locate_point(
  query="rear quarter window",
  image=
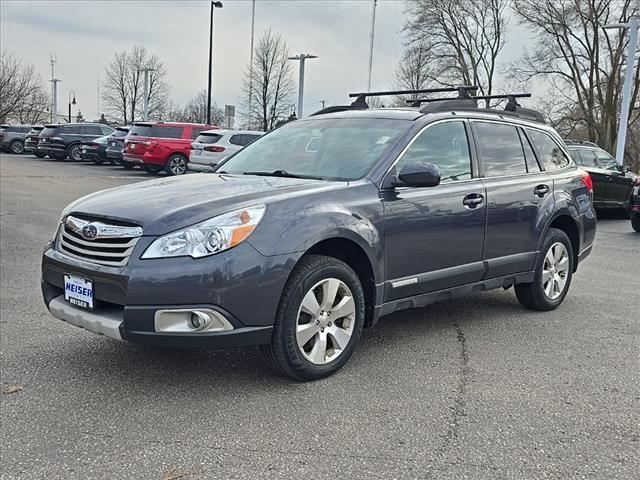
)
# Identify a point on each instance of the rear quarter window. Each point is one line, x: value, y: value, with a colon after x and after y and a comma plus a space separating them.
x: 552, y: 156
x: 208, y: 138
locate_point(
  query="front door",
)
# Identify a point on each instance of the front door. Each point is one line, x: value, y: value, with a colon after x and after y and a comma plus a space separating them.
x: 434, y: 235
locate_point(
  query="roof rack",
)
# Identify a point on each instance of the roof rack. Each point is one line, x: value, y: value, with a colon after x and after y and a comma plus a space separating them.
x: 360, y: 98
x: 581, y: 142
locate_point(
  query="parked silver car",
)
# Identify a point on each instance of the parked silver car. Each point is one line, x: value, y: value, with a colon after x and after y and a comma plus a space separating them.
x: 211, y: 146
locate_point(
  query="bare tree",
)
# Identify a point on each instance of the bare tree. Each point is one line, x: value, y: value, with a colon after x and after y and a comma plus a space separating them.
x: 23, y: 97
x: 196, y: 110
x: 461, y: 40
x: 581, y: 62
x: 415, y: 70
x: 123, y: 85
x: 270, y: 83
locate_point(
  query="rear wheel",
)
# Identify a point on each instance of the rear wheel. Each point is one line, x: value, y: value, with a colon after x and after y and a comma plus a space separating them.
x: 40, y: 154
x: 58, y: 156
x: 17, y: 147
x: 74, y: 153
x: 176, y: 164
x: 319, y: 320
x: 552, y: 276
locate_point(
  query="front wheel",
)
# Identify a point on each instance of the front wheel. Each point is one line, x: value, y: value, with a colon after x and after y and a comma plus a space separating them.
x: 176, y: 165
x: 552, y: 276
x: 635, y: 222
x: 17, y: 147
x: 319, y: 320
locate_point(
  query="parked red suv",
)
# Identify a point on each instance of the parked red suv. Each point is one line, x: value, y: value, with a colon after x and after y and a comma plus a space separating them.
x: 160, y: 145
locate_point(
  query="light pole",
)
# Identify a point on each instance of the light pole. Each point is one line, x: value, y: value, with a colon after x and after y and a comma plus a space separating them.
x: 301, y: 58
x: 71, y: 102
x: 145, y: 100
x: 632, y: 26
x: 213, y: 5
x: 373, y: 29
x: 54, y: 99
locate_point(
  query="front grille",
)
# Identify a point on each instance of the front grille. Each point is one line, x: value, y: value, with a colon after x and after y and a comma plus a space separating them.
x: 97, y: 242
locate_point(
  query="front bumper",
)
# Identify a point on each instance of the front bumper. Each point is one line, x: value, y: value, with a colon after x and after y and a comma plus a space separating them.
x: 241, y: 285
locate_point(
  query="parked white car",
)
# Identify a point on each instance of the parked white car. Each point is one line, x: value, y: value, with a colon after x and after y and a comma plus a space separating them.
x: 211, y: 146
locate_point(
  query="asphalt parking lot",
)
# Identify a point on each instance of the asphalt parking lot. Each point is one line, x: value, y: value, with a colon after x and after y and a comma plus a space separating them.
x: 473, y: 388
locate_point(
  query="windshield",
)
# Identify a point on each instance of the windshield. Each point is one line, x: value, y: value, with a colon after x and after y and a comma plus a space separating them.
x: 330, y: 148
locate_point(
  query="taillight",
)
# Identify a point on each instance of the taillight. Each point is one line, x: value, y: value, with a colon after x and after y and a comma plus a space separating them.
x: 586, y: 179
x: 215, y: 149
x: 636, y: 182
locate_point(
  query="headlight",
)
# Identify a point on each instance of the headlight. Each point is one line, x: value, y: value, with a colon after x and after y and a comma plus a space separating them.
x: 206, y: 238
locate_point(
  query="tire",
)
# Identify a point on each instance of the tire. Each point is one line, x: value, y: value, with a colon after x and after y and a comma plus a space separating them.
x: 73, y: 152
x: 319, y: 356
x: 635, y: 222
x: 127, y: 165
x: 97, y: 161
x: 16, y: 147
x: 40, y: 154
x: 556, y: 263
x: 151, y: 169
x: 176, y: 164
x: 58, y: 156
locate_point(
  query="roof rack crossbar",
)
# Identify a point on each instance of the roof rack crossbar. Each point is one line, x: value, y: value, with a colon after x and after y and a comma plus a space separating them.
x: 418, y: 101
x: 465, y: 88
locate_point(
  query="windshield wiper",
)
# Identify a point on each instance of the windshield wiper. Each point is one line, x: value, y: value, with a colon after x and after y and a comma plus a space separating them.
x: 282, y: 173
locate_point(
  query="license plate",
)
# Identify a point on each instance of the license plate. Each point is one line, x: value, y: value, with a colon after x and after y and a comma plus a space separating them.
x: 78, y: 291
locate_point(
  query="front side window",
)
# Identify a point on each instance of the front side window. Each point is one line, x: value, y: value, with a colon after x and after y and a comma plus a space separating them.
x: 328, y: 148
x: 553, y: 158
x: 445, y: 145
x: 605, y: 160
x: 500, y: 149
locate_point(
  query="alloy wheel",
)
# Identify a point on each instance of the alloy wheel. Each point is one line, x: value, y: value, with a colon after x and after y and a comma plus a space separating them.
x: 325, y: 322
x: 555, y: 270
x: 17, y: 147
x: 75, y: 154
x: 177, y: 165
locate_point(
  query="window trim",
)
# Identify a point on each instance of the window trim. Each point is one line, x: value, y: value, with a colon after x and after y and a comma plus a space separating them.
x: 572, y: 162
x: 470, y: 143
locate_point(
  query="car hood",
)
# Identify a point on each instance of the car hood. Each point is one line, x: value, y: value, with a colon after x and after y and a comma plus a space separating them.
x: 167, y: 204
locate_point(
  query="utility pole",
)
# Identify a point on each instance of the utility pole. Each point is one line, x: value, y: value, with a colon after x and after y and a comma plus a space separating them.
x: 145, y: 100
x: 301, y: 58
x: 213, y: 5
x: 373, y: 29
x: 632, y: 27
x: 253, y: 24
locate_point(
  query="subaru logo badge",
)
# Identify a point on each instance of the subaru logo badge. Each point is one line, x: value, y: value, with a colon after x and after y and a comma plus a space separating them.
x: 89, y: 231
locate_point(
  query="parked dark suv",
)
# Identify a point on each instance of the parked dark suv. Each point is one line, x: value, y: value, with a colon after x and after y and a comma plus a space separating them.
x: 12, y: 137
x: 612, y: 184
x: 60, y: 141
x: 320, y: 227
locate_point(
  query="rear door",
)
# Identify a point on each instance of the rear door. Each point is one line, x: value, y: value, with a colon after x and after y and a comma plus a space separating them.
x: 434, y: 235
x: 519, y: 197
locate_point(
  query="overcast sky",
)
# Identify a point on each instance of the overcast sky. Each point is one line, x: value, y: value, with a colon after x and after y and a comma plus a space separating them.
x: 84, y: 35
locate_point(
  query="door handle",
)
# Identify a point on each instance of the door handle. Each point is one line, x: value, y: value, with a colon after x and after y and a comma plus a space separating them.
x: 541, y: 190
x: 473, y: 200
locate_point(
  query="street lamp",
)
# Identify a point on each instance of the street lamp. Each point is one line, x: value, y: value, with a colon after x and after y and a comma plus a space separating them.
x: 71, y: 102
x: 213, y: 5
x: 301, y: 58
x: 632, y: 26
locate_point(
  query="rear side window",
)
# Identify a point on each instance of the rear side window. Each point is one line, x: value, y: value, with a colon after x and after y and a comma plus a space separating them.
x: 106, y: 130
x: 91, y: 130
x: 587, y: 157
x: 208, y: 138
x: 49, y: 131
x: 500, y: 149
x: 70, y: 129
x: 552, y: 156
x: 444, y: 145
x: 238, y: 139
x: 165, y: 131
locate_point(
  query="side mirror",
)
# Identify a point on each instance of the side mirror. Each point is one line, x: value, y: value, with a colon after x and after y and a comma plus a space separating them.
x: 624, y: 169
x: 416, y: 174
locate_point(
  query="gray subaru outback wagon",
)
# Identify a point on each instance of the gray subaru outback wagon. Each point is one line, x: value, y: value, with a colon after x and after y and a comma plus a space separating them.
x: 313, y: 232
